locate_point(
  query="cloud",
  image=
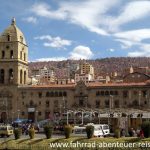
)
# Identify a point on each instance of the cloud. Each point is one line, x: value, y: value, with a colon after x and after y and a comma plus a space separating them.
x: 132, y: 11
x: 144, y: 51
x: 86, y: 14
x: 30, y: 20
x: 52, y: 59
x: 44, y: 10
x: 55, y: 42
x: 111, y: 50
x: 81, y: 52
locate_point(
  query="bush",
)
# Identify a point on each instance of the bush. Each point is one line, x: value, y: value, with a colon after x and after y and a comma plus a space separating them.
x: 89, y: 131
x: 17, y: 133
x: 117, y: 133
x: 48, y: 131
x: 67, y: 131
x: 146, y: 129
x: 31, y: 133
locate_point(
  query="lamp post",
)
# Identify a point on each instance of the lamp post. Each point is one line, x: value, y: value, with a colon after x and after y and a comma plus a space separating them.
x: 36, y: 116
x: 18, y: 113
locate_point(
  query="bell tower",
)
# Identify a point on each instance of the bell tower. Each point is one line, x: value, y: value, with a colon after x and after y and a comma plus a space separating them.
x: 13, y: 56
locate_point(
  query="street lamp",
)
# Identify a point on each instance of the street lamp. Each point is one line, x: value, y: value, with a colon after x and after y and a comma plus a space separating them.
x: 36, y: 117
x: 18, y: 113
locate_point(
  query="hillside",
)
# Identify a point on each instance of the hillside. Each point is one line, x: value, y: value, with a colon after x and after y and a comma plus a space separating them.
x: 102, y: 66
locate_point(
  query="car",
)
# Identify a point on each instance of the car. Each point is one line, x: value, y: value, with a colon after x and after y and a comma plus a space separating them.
x: 6, y: 130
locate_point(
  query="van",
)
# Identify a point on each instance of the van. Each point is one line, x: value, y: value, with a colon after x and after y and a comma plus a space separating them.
x: 100, y: 130
x: 6, y: 130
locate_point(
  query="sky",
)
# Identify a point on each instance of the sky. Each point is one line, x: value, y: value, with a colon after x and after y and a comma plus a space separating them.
x: 80, y: 29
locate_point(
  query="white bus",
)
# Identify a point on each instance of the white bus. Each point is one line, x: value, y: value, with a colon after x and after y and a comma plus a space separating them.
x: 100, y: 130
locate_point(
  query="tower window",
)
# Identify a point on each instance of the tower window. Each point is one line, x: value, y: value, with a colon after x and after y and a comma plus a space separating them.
x: 21, y: 39
x: 2, y: 75
x: 24, y: 56
x: 3, y: 54
x: 20, y: 54
x: 11, y: 76
x: 24, y: 77
x: 11, y: 54
x: 20, y: 76
x: 8, y: 37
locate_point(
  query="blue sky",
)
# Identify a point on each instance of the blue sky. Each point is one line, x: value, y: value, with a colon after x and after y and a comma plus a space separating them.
x: 80, y: 29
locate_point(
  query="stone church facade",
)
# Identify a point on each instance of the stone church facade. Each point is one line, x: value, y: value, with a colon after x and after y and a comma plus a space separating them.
x: 18, y: 99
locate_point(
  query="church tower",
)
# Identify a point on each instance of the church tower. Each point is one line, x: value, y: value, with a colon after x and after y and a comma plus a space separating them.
x: 13, y: 56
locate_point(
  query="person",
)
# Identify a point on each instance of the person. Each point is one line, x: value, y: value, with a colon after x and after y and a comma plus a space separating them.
x: 123, y: 133
x: 141, y: 134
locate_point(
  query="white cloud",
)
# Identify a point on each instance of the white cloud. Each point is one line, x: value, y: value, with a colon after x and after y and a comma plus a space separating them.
x: 81, y: 52
x: 144, y: 50
x: 86, y: 14
x: 30, y: 19
x: 44, y: 10
x: 111, y: 50
x: 55, y: 42
x: 134, y: 35
x: 133, y: 11
x: 52, y: 59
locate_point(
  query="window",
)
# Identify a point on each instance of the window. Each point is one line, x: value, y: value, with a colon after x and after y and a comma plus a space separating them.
x: 40, y: 94
x: 22, y: 103
x: 56, y: 94
x: 135, y: 103
x: 2, y: 75
x: 11, y: 75
x: 20, y: 54
x: 106, y: 93
x: 8, y: 37
x: 24, y: 56
x: 64, y: 93
x: 23, y: 113
x: 117, y: 103
x: 60, y: 94
x: 3, y: 54
x: 11, y: 54
x: 24, y: 77
x: 39, y: 113
x: 97, y: 93
x: 144, y: 93
x: 47, y: 94
x: 20, y: 76
x: 81, y: 102
x: 56, y: 103
x: 97, y: 103
x: 39, y: 102
x: 125, y: 94
x: 47, y: 103
x: 31, y: 103
x: 106, y: 103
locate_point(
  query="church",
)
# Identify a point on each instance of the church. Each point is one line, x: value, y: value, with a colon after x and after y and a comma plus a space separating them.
x: 109, y: 103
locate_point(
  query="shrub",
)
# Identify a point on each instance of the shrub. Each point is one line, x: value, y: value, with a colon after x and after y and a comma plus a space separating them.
x: 31, y: 133
x: 89, y: 131
x: 48, y: 131
x: 146, y: 129
x: 67, y: 131
x: 117, y: 133
x: 17, y: 133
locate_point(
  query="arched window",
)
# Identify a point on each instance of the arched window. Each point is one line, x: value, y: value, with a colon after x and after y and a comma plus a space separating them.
x: 11, y: 75
x: 20, y: 54
x: 11, y: 54
x: 2, y: 75
x: 8, y: 37
x: 20, y: 76
x: 24, y: 56
x: 106, y: 92
x: 3, y: 54
x: 25, y: 77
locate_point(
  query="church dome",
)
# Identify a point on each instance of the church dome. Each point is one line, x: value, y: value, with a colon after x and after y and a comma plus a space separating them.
x: 12, y: 33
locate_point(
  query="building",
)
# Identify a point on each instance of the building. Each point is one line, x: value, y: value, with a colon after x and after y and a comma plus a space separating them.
x: 86, y: 68
x: 112, y: 101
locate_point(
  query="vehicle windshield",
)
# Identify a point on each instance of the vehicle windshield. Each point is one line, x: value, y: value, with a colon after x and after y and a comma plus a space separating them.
x: 105, y: 127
